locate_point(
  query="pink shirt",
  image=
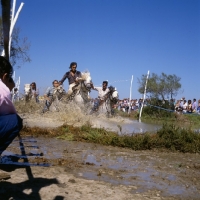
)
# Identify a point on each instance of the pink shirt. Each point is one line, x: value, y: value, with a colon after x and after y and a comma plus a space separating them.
x: 6, y: 105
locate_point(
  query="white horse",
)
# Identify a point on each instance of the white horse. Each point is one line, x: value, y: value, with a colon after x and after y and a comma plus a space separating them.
x: 112, y: 97
x: 27, y: 92
x: 81, y: 92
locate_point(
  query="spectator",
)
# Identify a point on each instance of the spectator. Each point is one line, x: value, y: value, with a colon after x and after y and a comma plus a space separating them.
x: 198, y: 107
x: 178, y: 107
x: 182, y: 101
x: 194, y: 105
x: 35, y: 92
x: 185, y: 106
x: 10, y: 122
x: 189, y: 106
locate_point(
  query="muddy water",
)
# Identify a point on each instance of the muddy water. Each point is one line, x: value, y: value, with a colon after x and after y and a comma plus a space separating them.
x: 170, y: 174
x: 124, y: 126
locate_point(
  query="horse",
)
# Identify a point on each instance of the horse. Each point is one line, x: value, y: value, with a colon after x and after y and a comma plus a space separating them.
x: 27, y: 92
x: 106, y: 106
x: 81, y: 91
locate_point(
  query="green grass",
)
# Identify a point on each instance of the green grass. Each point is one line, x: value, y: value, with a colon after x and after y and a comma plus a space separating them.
x: 169, y: 137
x: 157, y: 116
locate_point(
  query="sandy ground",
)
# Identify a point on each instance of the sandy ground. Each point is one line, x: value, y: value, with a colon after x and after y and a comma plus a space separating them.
x: 56, y: 183
x: 75, y: 170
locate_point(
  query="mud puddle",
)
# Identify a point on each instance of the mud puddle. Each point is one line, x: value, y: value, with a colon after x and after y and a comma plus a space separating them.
x: 171, y: 174
x: 124, y: 126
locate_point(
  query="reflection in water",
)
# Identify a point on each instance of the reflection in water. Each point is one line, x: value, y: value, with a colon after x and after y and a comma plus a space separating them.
x: 126, y: 127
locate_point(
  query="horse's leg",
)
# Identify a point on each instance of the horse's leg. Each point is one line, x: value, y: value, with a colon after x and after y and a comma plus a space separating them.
x: 26, y: 98
x: 55, y: 103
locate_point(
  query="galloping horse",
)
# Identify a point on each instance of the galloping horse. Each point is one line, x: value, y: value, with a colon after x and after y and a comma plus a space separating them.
x: 81, y: 92
x: 110, y: 100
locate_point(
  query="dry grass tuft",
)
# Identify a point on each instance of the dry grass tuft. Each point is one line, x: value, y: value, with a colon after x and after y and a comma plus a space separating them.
x: 27, y: 107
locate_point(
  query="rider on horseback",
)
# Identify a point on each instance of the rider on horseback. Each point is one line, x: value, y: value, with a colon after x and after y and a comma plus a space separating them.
x: 102, y: 94
x: 51, y: 93
x: 73, y: 78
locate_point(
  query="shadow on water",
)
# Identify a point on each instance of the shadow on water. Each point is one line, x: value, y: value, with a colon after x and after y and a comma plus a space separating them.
x: 32, y: 185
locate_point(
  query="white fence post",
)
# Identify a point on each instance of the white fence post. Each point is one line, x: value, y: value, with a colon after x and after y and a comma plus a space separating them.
x: 143, y: 97
x: 129, y: 110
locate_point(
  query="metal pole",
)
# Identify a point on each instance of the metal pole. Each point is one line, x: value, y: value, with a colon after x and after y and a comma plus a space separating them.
x: 143, y: 97
x: 5, y: 5
x: 14, y: 19
x: 13, y: 24
x: 13, y: 10
x: 129, y: 110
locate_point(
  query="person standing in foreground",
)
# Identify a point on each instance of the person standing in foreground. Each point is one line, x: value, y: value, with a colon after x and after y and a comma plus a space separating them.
x: 73, y: 78
x: 10, y: 122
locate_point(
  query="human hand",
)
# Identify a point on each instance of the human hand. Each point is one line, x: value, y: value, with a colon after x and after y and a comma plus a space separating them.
x: 78, y: 79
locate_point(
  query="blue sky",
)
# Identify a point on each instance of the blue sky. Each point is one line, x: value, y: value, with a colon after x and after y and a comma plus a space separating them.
x: 113, y: 39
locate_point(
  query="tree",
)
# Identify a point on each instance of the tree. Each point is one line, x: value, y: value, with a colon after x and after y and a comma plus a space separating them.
x: 160, y: 86
x: 19, y: 47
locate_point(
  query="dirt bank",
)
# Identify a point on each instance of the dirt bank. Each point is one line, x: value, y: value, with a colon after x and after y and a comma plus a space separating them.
x: 75, y: 170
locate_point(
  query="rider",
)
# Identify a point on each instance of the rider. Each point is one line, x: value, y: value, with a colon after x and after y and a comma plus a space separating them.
x: 102, y: 94
x: 49, y: 94
x: 73, y: 77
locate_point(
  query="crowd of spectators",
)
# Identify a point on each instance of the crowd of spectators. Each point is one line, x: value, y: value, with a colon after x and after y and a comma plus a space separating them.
x: 187, y: 106
x: 127, y: 105
x: 179, y: 106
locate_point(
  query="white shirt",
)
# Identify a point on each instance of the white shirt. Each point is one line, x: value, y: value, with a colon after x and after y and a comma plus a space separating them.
x: 101, y: 92
x: 6, y: 105
x: 185, y: 106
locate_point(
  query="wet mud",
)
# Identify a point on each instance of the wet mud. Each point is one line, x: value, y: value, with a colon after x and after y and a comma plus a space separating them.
x: 134, y: 174
x: 117, y: 124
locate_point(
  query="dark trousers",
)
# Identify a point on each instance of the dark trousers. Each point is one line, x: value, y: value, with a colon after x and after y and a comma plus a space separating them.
x: 96, y: 105
x: 10, y: 126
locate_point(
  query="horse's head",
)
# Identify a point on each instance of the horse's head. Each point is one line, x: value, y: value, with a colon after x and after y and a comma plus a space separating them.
x: 27, y: 89
x: 87, y: 80
x: 114, y: 96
